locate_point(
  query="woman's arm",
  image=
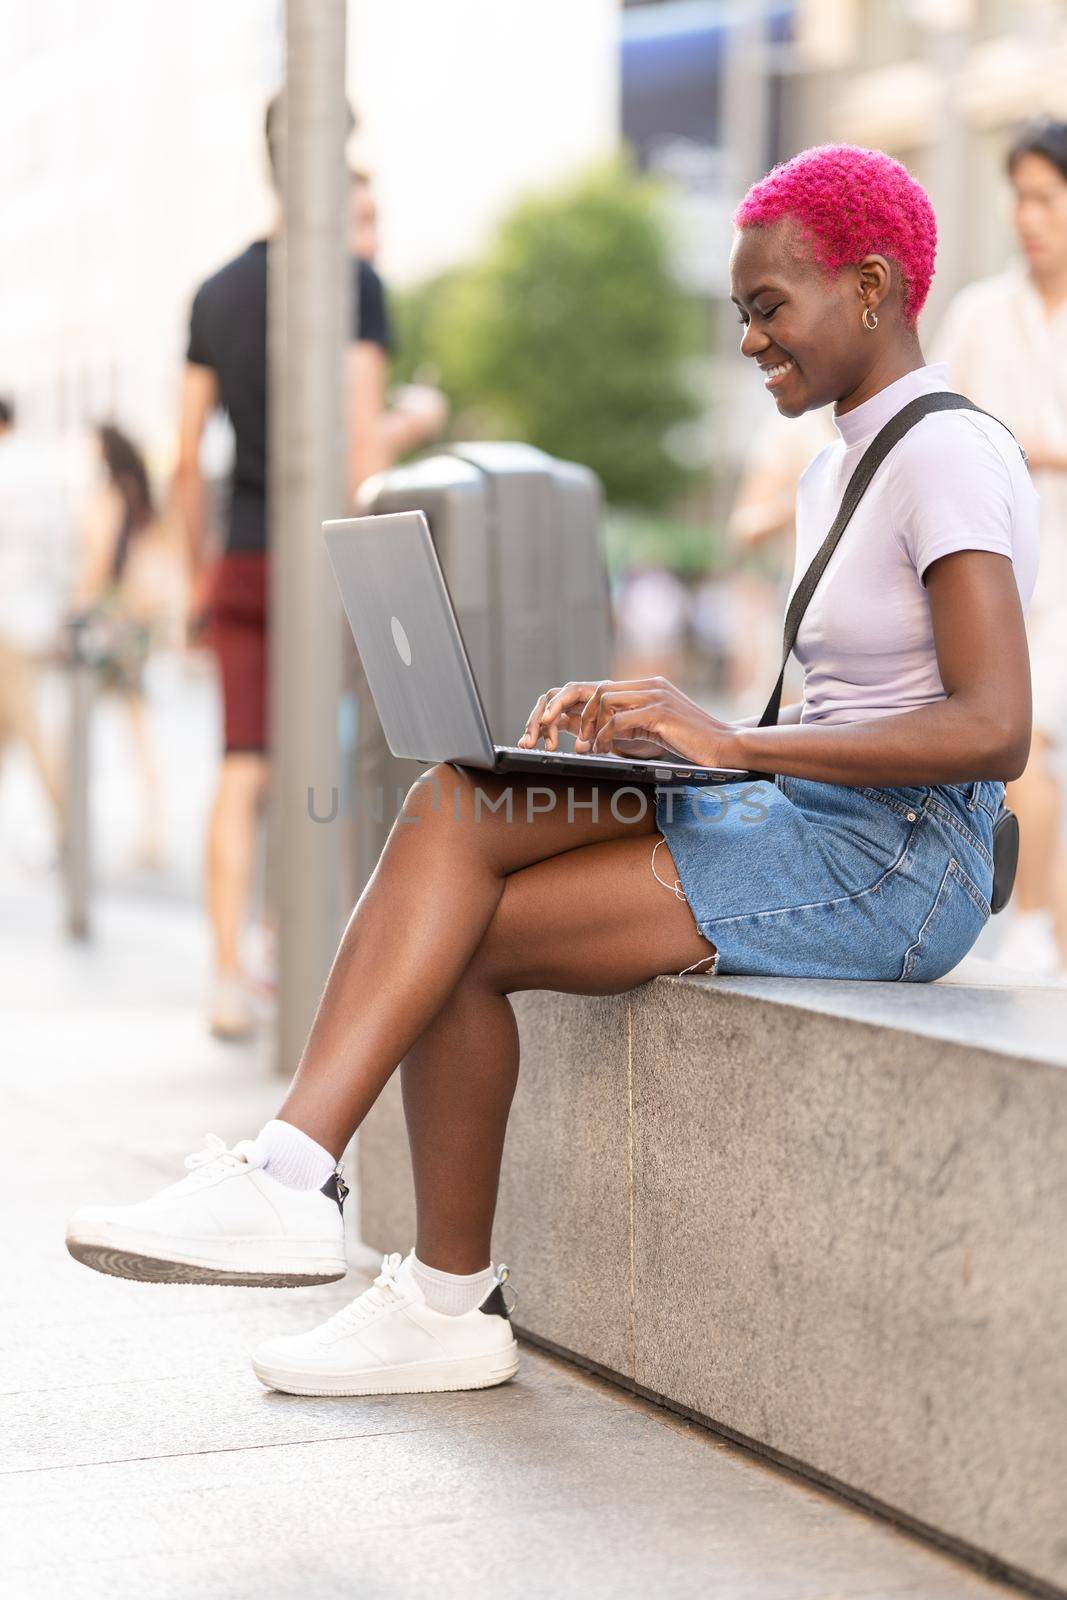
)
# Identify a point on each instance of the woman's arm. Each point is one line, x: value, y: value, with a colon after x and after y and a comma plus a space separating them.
x: 982, y: 728
x: 379, y: 434
x: 199, y: 397
x: 786, y: 716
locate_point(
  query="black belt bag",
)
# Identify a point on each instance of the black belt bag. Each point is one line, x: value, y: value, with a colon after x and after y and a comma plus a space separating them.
x: 1005, y: 857
x: 1006, y: 824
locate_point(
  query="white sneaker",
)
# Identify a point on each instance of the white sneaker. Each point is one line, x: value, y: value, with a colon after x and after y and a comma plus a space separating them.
x: 389, y: 1341
x: 229, y: 1221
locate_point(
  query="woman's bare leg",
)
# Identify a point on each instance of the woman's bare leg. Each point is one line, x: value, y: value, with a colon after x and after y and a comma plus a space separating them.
x: 594, y: 921
x: 230, y: 855
x: 426, y: 910
x: 458, y: 1081
x: 152, y: 849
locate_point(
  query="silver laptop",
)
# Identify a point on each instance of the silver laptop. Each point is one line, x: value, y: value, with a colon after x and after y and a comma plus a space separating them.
x: 405, y: 627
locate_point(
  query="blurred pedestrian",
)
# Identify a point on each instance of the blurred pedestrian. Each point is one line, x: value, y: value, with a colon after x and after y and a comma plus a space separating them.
x: 226, y: 365
x: 1005, y: 342
x: 762, y: 531
x: 764, y: 508
x: 129, y: 583
x: 362, y: 235
x: 414, y: 412
x: 651, y: 618
x: 35, y: 554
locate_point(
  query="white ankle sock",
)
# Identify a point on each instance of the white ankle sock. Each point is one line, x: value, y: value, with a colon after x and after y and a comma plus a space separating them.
x: 452, y: 1293
x: 293, y: 1157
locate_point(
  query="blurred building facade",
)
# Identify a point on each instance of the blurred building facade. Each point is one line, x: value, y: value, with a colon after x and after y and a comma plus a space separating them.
x: 715, y: 91
x: 134, y: 164
x: 940, y: 84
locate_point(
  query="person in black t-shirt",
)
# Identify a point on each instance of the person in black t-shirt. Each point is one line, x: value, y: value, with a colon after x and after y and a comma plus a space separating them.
x: 228, y: 339
x: 226, y: 366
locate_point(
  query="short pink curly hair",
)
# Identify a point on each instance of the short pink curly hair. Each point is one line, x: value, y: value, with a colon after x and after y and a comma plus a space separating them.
x: 852, y: 203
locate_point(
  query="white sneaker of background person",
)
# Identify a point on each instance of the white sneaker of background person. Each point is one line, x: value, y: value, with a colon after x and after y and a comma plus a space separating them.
x: 267, y: 1214
x: 389, y: 1340
x: 1029, y: 944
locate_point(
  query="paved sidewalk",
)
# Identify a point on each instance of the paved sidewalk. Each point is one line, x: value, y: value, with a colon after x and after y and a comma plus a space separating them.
x: 140, y: 1457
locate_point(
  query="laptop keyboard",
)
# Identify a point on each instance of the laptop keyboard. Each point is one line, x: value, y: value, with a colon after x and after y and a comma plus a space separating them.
x: 577, y: 755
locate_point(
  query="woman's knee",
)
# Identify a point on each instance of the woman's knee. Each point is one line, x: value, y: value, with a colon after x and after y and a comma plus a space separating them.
x: 436, y: 793
x: 462, y: 799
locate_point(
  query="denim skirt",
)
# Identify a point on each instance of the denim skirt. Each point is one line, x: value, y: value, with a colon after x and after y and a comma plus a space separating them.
x: 797, y: 879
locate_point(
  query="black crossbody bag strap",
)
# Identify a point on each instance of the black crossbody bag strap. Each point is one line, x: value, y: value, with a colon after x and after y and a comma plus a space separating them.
x: 1006, y: 827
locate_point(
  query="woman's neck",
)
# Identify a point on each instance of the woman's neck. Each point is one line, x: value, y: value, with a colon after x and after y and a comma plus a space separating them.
x: 893, y: 363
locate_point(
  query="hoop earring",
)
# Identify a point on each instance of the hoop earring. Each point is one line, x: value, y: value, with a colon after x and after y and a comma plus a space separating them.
x: 870, y: 319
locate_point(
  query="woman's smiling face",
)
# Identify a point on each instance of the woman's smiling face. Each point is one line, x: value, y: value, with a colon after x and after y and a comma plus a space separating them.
x: 802, y: 326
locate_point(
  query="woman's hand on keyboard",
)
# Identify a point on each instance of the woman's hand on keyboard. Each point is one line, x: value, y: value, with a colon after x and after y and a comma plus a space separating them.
x: 562, y: 708
x: 646, y: 718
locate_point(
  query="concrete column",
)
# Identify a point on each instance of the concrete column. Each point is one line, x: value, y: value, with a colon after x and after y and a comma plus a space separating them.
x: 308, y: 324
x: 947, y: 45
x: 823, y: 52
x: 745, y: 95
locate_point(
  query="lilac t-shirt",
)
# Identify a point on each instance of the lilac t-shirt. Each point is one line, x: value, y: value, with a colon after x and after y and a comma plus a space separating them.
x: 957, y: 481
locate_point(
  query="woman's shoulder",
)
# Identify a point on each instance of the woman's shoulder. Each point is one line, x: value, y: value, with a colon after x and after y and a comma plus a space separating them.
x: 958, y: 443
x: 958, y: 480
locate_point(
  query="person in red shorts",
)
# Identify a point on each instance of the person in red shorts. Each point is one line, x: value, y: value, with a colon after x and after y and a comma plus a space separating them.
x: 226, y: 366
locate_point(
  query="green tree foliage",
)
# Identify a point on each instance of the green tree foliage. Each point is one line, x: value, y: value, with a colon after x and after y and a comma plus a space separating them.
x: 570, y: 333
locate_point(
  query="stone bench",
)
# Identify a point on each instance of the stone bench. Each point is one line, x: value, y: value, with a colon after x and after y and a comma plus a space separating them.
x: 828, y: 1219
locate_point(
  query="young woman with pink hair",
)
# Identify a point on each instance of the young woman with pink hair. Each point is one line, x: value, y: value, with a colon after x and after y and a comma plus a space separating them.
x: 868, y: 855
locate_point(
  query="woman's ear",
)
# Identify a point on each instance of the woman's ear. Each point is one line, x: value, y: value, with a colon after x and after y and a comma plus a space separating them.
x: 875, y: 280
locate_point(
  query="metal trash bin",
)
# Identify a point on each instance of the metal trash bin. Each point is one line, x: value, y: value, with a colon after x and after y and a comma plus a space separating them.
x: 519, y: 537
